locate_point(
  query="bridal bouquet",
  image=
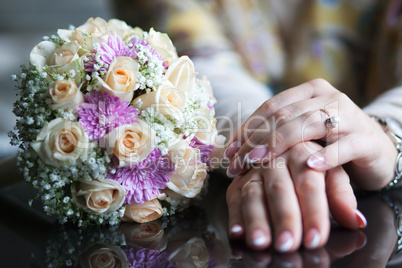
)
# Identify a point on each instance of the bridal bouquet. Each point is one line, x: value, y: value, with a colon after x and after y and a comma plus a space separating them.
x: 112, y: 124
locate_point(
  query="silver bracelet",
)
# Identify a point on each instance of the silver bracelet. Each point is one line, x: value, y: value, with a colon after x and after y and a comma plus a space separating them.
x: 389, y: 127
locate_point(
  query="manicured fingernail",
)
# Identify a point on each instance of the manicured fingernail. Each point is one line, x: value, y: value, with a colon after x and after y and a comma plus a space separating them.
x: 312, y: 239
x: 235, y: 168
x: 259, y: 238
x: 362, y: 240
x: 316, y: 161
x: 232, y: 149
x: 236, y: 229
x: 256, y: 154
x: 285, y: 242
x: 362, y: 220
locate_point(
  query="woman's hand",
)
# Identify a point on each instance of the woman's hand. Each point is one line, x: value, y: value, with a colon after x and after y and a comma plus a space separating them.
x: 294, y: 116
x: 292, y: 198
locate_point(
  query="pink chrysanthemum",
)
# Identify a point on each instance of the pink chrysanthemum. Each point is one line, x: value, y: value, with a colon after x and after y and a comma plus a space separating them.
x: 205, y: 150
x: 144, y: 180
x: 102, y: 113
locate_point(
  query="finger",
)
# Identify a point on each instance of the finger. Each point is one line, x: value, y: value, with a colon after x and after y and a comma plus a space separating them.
x: 262, y: 148
x: 342, y: 201
x: 255, y: 214
x: 283, y: 207
x: 266, y: 110
x: 310, y: 189
x: 235, y: 218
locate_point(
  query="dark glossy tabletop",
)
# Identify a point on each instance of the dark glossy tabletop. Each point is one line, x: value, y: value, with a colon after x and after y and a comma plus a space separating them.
x: 197, y: 237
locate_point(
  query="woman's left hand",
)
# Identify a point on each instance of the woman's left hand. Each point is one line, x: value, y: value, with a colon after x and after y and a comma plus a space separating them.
x: 298, y: 114
x: 294, y: 199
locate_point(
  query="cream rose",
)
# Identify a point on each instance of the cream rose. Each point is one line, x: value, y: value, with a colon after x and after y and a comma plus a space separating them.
x: 94, y: 27
x: 61, y: 142
x: 162, y: 43
x: 130, y: 143
x: 121, y: 78
x: 148, y: 235
x: 65, y: 94
x: 167, y: 100
x: 102, y: 255
x: 98, y: 196
x: 181, y: 74
x: 41, y: 54
x: 189, y: 176
x: 206, y: 132
x: 194, y: 253
x: 145, y: 212
x: 65, y: 54
x: 123, y: 30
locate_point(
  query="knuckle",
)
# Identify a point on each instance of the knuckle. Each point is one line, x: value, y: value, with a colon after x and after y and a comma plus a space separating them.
x: 270, y: 106
x: 319, y: 83
x: 285, y: 114
x: 276, y: 187
x: 250, y: 192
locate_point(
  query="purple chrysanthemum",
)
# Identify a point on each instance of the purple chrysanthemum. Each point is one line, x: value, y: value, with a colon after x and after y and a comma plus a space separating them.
x: 115, y: 47
x: 144, y: 180
x: 101, y: 113
x: 144, y: 258
x: 205, y: 150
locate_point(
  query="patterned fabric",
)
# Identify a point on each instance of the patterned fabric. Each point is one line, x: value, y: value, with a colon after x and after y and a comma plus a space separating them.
x: 354, y: 44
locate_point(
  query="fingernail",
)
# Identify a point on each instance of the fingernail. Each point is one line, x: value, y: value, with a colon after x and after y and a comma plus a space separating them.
x: 312, y: 239
x: 259, y: 238
x: 236, y: 229
x: 316, y: 161
x: 362, y: 240
x: 256, y: 154
x: 235, y: 168
x: 362, y: 220
x: 285, y: 242
x: 232, y: 149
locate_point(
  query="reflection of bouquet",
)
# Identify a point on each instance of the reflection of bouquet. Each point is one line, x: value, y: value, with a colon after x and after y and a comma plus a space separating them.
x: 111, y: 121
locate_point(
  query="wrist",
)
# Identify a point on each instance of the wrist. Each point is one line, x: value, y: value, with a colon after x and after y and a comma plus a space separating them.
x: 393, y: 131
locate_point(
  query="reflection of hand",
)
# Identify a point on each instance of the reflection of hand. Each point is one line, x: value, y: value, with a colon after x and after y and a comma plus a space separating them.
x: 341, y: 243
x: 294, y: 116
x: 294, y: 198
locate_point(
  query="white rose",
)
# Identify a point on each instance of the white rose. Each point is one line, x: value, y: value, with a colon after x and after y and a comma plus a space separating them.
x: 98, y: 196
x: 93, y: 28
x: 60, y: 59
x: 181, y: 74
x: 65, y: 95
x: 189, y: 176
x: 206, y: 88
x: 167, y: 100
x: 61, y: 142
x: 145, y: 212
x: 130, y: 143
x: 162, y: 43
x: 121, y: 79
x: 41, y: 54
